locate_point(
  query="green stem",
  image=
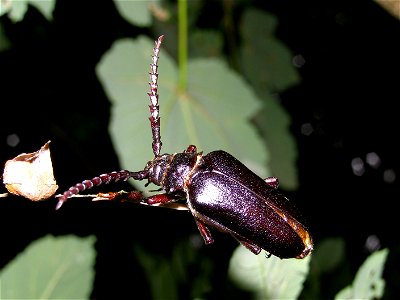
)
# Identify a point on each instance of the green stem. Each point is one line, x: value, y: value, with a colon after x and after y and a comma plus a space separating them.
x: 182, y: 44
x: 182, y: 67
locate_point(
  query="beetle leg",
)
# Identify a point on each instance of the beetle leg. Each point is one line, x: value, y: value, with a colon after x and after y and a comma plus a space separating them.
x: 272, y: 182
x: 175, y: 205
x: 205, y: 232
x: 253, y: 248
x: 164, y: 200
x: 160, y: 199
x: 134, y: 196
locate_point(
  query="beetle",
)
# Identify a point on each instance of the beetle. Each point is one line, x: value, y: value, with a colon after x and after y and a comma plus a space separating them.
x: 219, y: 191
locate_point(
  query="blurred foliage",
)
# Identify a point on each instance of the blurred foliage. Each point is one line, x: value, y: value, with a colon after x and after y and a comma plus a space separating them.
x: 268, y: 278
x: 231, y: 102
x: 16, y: 9
x: 368, y: 283
x: 62, y: 267
x: 51, y: 268
x: 267, y: 64
x: 136, y: 12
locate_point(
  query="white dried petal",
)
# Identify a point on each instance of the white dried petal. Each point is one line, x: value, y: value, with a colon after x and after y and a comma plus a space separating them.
x: 30, y: 175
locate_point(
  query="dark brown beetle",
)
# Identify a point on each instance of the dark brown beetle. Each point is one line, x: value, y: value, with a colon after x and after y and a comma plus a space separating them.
x: 220, y: 192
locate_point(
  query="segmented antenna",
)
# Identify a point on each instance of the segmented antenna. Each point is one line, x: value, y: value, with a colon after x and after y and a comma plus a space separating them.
x: 153, y: 96
x: 115, y: 176
x: 154, y: 118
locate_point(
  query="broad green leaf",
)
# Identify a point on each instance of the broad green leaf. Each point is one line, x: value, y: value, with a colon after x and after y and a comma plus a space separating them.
x: 213, y: 114
x: 136, y: 11
x: 268, y: 278
x: 266, y: 61
x: 16, y: 9
x: 368, y: 283
x: 273, y: 123
x: 46, y: 7
x: 50, y: 268
x: 267, y: 64
x: 5, y: 7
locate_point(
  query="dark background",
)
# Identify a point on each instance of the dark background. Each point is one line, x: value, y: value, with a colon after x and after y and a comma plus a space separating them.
x: 348, y: 94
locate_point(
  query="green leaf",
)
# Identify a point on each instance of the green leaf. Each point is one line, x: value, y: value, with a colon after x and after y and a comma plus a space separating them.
x: 213, y: 114
x: 266, y: 61
x: 273, y: 123
x: 51, y: 268
x: 267, y: 64
x: 268, y: 278
x: 368, y: 283
x: 45, y: 7
x: 17, y: 9
x: 136, y: 12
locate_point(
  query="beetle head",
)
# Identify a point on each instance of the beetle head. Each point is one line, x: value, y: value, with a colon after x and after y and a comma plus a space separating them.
x: 157, y: 168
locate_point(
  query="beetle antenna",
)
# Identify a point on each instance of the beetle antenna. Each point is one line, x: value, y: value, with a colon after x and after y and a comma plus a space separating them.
x: 115, y: 176
x: 153, y: 96
x: 154, y: 118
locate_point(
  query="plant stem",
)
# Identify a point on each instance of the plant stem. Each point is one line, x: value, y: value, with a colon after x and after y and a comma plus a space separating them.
x: 182, y: 67
x: 182, y: 44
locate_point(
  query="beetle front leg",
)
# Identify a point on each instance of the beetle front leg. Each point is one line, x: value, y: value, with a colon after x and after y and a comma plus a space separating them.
x: 160, y: 199
x: 134, y: 196
x: 165, y: 200
x: 137, y: 197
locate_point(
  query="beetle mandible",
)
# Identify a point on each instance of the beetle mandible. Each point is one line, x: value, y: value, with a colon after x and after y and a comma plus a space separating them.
x: 218, y: 190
